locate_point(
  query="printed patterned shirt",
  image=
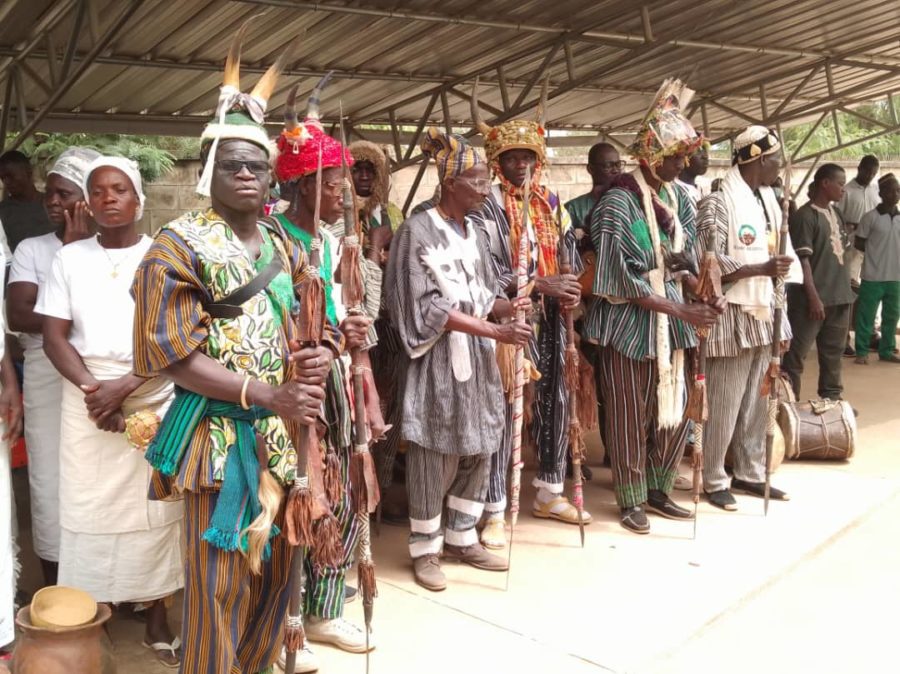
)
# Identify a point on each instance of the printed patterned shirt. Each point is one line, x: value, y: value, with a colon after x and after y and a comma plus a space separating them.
x: 196, y: 259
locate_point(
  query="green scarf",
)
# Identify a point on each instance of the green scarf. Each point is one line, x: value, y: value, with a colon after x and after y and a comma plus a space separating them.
x: 326, y: 270
x: 238, y: 503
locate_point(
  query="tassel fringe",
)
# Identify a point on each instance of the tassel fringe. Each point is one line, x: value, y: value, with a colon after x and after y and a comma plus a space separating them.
x: 311, y: 325
x: 298, y: 517
x: 294, y: 638
x: 329, y: 548
x: 506, y: 362
x: 769, y: 379
x: 697, y: 408
x: 366, y: 579
x: 352, y: 291
x: 587, y: 397
x: 334, y: 487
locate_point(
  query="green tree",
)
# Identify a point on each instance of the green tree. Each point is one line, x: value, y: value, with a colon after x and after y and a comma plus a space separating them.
x: 155, y: 155
x: 852, y: 127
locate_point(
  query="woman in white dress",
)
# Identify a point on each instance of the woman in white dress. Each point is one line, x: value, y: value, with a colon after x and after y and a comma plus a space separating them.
x: 10, y: 429
x: 43, y: 384
x: 115, y: 543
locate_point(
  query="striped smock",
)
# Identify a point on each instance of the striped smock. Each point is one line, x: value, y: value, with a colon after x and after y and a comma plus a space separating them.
x: 625, y: 256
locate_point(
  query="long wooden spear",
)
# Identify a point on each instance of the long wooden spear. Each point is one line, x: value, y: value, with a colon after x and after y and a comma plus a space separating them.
x: 364, y: 484
x: 572, y: 377
x: 709, y: 286
x: 515, y: 482
x: 769, y: 385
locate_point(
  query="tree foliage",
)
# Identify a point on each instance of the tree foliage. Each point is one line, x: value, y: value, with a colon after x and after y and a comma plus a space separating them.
x: 885, y: 146
x: 155, y: 155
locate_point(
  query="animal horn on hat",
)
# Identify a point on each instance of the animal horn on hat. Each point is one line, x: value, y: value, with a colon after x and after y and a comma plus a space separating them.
x: 313, y: 109
x: 232, y: 75
x: 290, y: 109
x: 480, y: 126
x: 542, y: 106
x: 266, y: 85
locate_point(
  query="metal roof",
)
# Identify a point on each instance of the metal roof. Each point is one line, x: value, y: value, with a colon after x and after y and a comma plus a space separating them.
x: 154, y: 66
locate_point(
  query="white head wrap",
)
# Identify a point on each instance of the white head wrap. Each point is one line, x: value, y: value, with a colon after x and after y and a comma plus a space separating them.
x: 73, y: 163
x: 126, y: 166
x: 754, y: 142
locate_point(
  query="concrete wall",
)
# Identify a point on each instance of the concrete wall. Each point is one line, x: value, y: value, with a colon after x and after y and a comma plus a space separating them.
x: 173, y: 194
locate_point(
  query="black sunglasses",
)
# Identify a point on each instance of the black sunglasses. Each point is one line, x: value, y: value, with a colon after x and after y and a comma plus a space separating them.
x: 258, y: 168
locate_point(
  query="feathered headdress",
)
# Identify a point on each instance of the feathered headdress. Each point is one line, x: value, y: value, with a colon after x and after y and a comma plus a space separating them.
x: 515, y: 134
x: 665, y: 130
x: 301, y: 145
x: 239, y: 116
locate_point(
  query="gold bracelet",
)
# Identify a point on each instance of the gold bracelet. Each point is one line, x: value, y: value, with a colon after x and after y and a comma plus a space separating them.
x: 244, y: 404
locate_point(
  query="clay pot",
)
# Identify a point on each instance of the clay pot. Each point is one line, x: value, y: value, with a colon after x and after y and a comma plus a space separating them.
x: 77, y: 650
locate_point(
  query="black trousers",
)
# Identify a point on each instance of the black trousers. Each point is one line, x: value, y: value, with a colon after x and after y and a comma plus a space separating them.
x: 829, y: 336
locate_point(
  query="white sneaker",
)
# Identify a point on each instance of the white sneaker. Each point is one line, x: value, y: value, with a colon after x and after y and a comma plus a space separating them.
x: 338, y: 632
x: 305, y: 662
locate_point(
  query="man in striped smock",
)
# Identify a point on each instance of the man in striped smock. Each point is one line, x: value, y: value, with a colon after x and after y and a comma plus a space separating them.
x: 516, y: 150
x: 741, y: 221
x: 225, y: 443
x: 443, y: 291
x: 643, y: 233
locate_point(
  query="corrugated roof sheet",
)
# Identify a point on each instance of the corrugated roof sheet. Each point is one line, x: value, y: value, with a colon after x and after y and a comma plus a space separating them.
x: 165, y: 64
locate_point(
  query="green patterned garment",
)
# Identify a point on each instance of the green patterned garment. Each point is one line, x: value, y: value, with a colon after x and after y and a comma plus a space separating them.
x: 252, y: 343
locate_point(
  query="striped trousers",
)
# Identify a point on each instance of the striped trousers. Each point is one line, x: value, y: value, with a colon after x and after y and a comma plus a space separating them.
x: 550, y: 425
x: 642, y: 456
x: 325, y: 585
x: 737, y: 418
x: 495, y: 501
x: 389, y: 369
x: 232, y: 619
x: 432, y: 476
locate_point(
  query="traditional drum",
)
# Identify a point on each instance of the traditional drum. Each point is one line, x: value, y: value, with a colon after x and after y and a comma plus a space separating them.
x: 824, y: 430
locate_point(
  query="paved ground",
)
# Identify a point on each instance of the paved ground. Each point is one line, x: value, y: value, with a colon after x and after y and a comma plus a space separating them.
x: 811, y: 587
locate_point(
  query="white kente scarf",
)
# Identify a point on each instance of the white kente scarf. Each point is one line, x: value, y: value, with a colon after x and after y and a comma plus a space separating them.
x: 670, y: 366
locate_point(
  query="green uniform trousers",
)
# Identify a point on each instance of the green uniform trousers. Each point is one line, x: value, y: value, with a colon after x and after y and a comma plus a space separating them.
x: 871, y: 294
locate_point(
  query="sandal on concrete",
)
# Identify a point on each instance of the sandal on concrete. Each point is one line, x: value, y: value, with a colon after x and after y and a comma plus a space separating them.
x: 166, y: 653
x: 493, y: 536
x: 559, y: 509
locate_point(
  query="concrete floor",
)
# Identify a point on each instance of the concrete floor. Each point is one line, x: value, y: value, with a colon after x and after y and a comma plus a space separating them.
x: 811, y: 587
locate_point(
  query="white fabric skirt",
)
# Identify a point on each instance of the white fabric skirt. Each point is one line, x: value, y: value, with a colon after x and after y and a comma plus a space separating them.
x: 43, y: 398
x: 136, y: 566
x: 7, y: 547
x: 115, y: 542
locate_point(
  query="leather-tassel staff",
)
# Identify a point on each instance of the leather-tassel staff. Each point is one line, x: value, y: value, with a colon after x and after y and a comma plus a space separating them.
x: 769, y: 385
x: 709, y: 286
x: 515, y: 482
x: 363, y: 481
x: 572, y: 377
x: 309, y: 523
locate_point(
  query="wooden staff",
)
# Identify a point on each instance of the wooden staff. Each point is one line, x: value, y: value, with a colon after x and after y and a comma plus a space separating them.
x: 709, y: 286
x: 305, y: 507
x: 364, y: 484
x: 515, y: 482
x: 770, y: 381
x: 572, y: 377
